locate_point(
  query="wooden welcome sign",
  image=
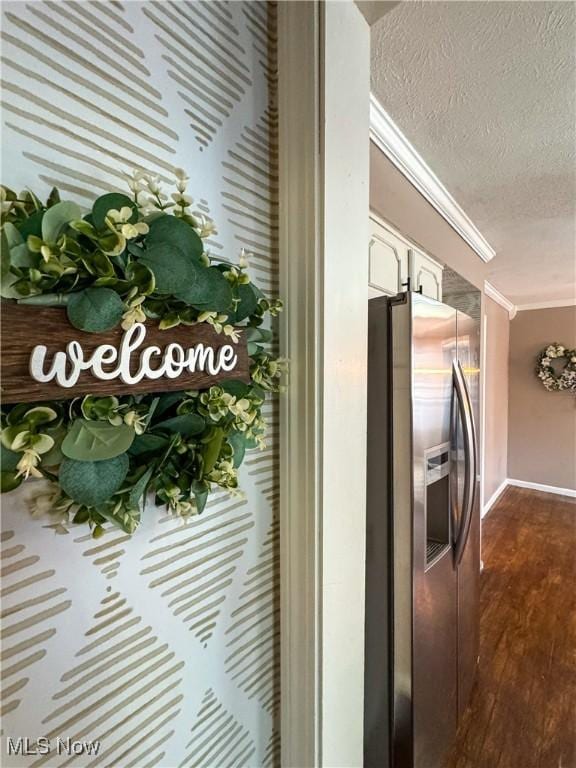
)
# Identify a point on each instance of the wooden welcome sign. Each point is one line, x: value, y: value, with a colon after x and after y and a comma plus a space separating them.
x: 45, y: 358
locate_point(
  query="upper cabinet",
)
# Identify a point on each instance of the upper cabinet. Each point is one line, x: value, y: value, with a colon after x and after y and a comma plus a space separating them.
x: 425, y: 274
x: 393, y: 259
x: 389, y: 258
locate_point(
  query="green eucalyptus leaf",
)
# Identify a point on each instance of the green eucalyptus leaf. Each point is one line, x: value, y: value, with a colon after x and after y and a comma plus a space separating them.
x: 139, y: 488
x: 152, y: 410
x: 112, y: 201
x: 248, y: 302
x: 253, y: 348
x: 93, y: 482
x: 134, y: 249
x: 8, y: 459
x: 235, y: 387
x: 120, y: 286
x: 81, y: 516
x: 30, y: 197
x: 171, y: 230
x: 148, y: 443
x: 258, y: 391
x: 95, y: 309
x: 200, y: 489
x: 212, y: 450
x: 238, y: 442
x: 4, y: 253
x: 210, y: 290
x: 12, y: 234
x: 258, y: 292
x: 187, y: 424
x: 7, y: 289
x: 96, y: 440
x: 166, y: 401
x: 32, y: 225
x: 53, y: 197
x: 21, y: 257
x: 9, y: 481
x: 120, y: 260
x: 54, y: 456
x: 170, y: 266
x: 261, y: 335
x: 57, y: 217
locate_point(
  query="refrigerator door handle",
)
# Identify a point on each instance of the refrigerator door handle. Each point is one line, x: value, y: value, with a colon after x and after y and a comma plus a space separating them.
x: 465, y: 407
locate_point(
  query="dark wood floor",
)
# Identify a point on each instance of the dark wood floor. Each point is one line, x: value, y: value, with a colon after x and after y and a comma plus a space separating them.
x: 523, y: 709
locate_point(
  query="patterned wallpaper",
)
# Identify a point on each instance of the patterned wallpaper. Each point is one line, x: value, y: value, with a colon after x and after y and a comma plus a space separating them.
x: 163, y: 646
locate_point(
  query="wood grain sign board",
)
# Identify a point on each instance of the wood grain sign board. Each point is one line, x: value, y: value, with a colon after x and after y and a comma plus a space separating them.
x: 24, y: 328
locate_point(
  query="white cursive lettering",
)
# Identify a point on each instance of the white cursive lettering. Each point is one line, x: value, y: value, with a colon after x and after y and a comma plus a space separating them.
x: 172, y: 362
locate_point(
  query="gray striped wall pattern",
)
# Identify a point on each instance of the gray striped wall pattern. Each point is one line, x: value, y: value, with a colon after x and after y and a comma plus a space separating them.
x: 163, y: 646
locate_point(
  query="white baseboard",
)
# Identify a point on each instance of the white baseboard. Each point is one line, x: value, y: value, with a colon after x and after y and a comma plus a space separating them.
x: 495, y: 496
x: 541, y: 487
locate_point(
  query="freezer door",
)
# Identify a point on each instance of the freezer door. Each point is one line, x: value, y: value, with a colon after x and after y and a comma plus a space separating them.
x: 468, y: 569
x: 434, y: 683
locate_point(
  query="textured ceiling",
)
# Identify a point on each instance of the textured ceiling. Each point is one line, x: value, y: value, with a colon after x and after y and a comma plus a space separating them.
x: 486, y: 93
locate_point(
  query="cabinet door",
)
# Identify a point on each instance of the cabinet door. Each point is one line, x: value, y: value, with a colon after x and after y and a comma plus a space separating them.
x: 388, y: 258
x: 425, y: 273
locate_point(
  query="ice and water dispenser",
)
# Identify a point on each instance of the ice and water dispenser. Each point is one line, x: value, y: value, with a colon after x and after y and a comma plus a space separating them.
x: 437, y: 505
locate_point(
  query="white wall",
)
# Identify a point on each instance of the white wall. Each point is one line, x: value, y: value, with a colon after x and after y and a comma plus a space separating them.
x: 147, y: 642
x: 344, y: 396
x: 324, y: 121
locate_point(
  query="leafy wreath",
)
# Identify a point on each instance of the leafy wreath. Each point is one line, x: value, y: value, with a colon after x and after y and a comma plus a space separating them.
x: 132, y: 258
x: 554, y: 381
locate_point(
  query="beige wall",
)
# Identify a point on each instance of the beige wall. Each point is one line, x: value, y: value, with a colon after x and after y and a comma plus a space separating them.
x: 542, y: 424
x: 496, y: 397
x: 394, y: 198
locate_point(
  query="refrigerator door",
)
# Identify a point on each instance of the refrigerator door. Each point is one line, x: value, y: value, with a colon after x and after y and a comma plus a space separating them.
x: 434, y: 683
x: 468, y: 573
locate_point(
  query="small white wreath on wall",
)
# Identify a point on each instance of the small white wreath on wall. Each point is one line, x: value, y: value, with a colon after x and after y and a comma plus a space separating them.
x: 555, y: 380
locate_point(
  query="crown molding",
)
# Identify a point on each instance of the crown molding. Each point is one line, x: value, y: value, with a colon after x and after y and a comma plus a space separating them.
x: 390, y: 139
x: 499, y: 298
x: 547, y: 304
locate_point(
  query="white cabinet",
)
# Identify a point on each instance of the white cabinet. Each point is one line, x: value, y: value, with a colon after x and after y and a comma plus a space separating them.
x: 425, y: 274
x: 393, y: 259
x: 388, y: 261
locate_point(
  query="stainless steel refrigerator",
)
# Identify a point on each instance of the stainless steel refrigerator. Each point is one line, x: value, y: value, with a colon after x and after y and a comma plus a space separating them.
x: 423, y: 528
